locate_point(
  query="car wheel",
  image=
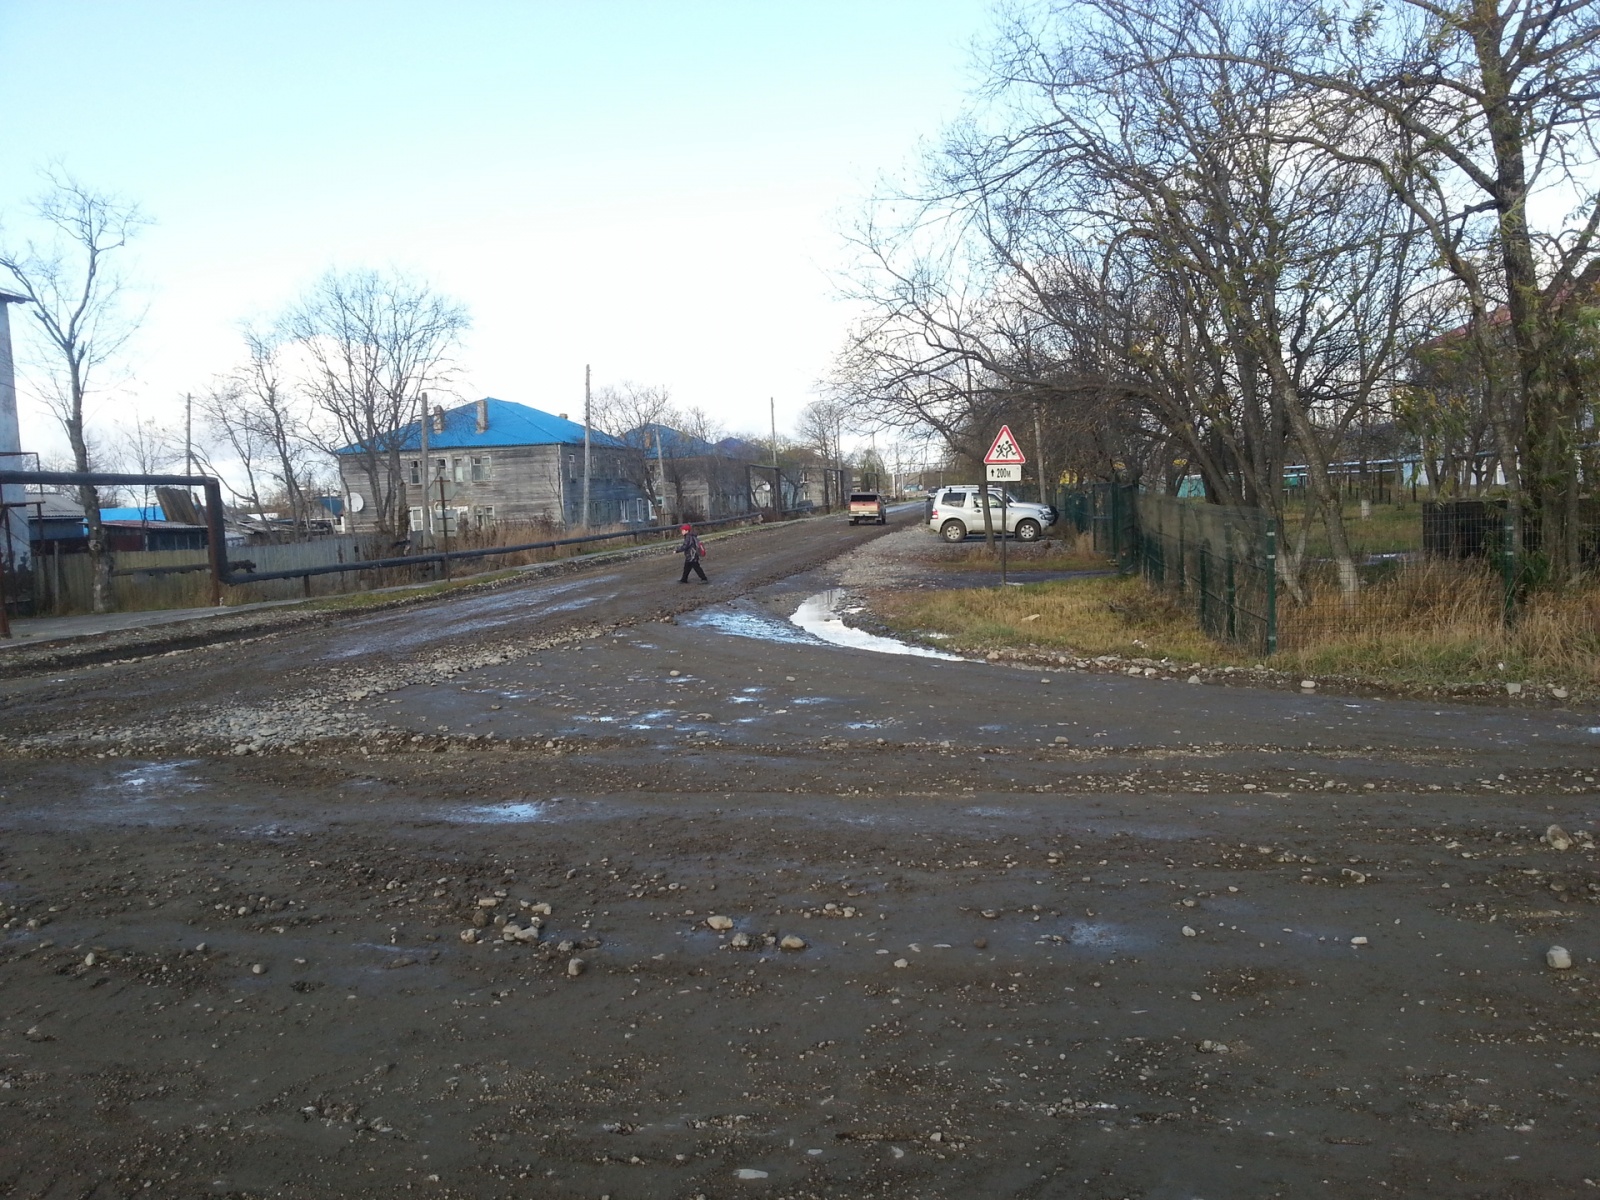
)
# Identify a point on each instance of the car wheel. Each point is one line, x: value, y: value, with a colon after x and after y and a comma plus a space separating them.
x: 1027, y: 531
x: 883, y: 520
x: 953, y: 531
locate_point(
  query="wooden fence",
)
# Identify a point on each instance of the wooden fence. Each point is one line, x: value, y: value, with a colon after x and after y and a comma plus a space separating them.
x: 62, y: 583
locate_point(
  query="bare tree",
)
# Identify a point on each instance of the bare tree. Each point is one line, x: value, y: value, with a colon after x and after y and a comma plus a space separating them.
x: 273, y: 408
x: 230, y: 432
x: 373, y: 342
x: 143, y: 446
x: 821, y: 428
x: 1133, y: 251
x: 635, y: 413
x: 1472, y: 113
x: 76, y: 293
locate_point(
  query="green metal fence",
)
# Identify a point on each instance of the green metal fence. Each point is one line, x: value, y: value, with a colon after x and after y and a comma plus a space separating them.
x: 1417, y: 566
x: 1217, y: 561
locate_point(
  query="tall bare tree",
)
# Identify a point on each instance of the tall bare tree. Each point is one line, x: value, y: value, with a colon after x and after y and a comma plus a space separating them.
x: 72, y: 279
x: 1477, y: 115
x: 229, y: 432
x: 634, y: 412
x: 270, y: 404
x: 144, y: 446
x: 372, y: 343
x: 1131, y: 249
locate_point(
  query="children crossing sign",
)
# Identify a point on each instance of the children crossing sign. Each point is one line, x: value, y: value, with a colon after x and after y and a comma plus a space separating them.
x: 1005, y: 451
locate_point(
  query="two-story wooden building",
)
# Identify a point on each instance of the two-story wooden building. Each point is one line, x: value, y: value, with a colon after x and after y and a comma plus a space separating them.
x: 495, y: 461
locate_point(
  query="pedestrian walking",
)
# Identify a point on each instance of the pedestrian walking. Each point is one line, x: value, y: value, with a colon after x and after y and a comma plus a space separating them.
x: 693, y: 551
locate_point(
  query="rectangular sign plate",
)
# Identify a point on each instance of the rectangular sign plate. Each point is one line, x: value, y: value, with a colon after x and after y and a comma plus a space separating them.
x: 1004, y: 474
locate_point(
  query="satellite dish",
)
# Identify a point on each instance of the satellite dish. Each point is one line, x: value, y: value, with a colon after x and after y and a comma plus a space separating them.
x: 356, y: 502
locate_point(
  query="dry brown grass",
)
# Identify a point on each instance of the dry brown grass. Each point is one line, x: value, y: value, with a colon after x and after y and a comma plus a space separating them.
x: 1107, y: 614
x: 1443, y: 622
x: 1438, y: 624
x: 1072, y: 553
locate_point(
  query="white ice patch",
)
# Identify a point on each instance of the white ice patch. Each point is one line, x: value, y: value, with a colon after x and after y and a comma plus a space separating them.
x: 819, y: 617
x: 516, y: 812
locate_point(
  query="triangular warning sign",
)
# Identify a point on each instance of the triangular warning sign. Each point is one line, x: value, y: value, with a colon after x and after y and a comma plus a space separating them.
x: 1005, y: 450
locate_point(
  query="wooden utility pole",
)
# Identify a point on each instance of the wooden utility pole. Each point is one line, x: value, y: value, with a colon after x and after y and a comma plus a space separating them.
x: 586, y: 458
x: 425, y: 471
x: 777, y: 475
x: 1038, y: 450
x: 188, y: 433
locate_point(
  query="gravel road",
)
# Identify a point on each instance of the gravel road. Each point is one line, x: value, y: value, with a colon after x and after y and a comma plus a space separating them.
x: 599, y: 885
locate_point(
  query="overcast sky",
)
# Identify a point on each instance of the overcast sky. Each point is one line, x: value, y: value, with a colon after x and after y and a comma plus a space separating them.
x: 654, y: 187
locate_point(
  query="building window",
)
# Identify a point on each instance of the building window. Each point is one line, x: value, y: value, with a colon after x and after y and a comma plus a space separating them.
x: 480, y: 468
x: 458, y: 470
x: 416, y: 518
x: 415, y: 468
x: 485, y: 516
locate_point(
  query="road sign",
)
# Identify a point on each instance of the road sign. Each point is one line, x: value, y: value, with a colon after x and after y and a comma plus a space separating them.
x: 1004, y: 473
x: 1005, y: 450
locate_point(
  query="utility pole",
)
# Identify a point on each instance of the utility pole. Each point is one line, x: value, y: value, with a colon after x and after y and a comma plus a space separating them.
x: 586, y: 459
x: 188, y: 433
x: 777, y: 476
x: 425, y: 471
x: 1038, y: 450
x: 661, y: 469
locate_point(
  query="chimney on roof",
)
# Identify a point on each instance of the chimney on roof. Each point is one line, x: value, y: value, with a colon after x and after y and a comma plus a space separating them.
x: 483, y: 416
x: 438, y: 418
x: 563, y: 416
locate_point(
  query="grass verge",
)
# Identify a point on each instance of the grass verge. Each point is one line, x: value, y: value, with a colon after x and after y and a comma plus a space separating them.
x: 1424, y: 630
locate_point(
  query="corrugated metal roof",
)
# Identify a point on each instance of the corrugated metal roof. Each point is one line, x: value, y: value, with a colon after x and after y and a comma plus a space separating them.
x: 510, y: 424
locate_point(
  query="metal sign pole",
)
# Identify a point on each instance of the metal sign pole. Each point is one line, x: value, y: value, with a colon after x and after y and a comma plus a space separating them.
x: 1005, y: 497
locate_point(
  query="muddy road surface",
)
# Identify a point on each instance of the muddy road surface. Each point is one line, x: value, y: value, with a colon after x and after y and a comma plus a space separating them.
x: 604, y: 886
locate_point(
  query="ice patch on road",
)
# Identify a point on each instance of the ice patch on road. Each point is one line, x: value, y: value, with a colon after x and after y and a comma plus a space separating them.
x: 517, y: 812
x: 818, y: 615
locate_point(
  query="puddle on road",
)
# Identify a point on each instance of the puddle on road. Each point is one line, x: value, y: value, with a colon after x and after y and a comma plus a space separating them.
x: 747, y: 625
x: 818, y: 615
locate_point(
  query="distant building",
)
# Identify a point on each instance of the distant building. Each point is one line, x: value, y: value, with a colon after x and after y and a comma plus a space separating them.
x: 56, y: 526
x: 495, y: 461
x: 686, y: 477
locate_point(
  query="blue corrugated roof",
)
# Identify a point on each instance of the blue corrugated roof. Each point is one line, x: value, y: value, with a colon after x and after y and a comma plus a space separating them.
x: 510, y: 424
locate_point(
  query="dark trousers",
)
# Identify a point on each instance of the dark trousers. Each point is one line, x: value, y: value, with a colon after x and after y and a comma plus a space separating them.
x: 692, y: 564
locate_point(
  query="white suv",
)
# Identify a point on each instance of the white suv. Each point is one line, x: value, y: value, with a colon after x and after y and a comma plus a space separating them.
x: 958, y: 511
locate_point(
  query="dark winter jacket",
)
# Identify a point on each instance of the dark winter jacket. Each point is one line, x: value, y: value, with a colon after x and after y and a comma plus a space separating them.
x: 691, y: 547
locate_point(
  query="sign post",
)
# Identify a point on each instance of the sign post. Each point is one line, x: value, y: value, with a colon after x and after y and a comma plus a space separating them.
x: 1004, y: 462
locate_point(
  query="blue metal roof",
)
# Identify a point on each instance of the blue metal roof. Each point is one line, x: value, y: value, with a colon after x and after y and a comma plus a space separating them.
x: 674, y: 442
x: 151, y: 512
x: 510, y: 424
